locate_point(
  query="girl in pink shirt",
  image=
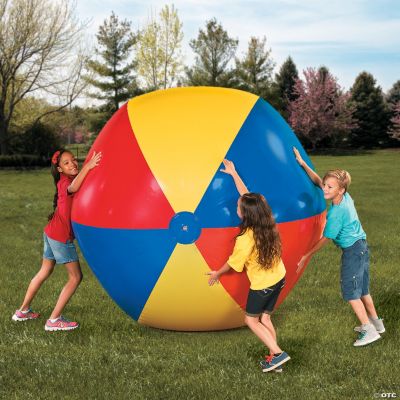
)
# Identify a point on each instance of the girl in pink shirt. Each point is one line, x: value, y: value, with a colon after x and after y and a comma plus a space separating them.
x: 58, y: 240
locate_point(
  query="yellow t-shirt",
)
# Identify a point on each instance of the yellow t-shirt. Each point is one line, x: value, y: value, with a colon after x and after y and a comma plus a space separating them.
x: 245, y: 256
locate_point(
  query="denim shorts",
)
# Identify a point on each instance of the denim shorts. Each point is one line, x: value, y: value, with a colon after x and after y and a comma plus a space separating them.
x: 264, y: 300
x: 62, y: 253
x: 354, y: 275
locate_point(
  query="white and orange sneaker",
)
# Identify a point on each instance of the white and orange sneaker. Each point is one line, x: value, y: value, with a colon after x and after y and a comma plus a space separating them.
x: 60, y: 324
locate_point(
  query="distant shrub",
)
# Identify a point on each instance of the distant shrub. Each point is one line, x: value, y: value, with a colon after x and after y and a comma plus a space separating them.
x: 40, y: 140
x: 23, y: 161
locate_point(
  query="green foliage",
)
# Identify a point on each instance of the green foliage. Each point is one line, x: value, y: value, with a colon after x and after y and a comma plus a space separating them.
x: 40, y: 140
x: 393, y: 96
x: 79, y: 150
x: 26, y: 112
x: 253, y: 73
x: 371, y: 113
x: 18, y: 161
x: 65, y: 125
x: 159, y: 59
x: 112, y: 357
x: 283, y: 92
x: 39, y: 52
x: 214, y: 50
x: 393, y: 102
x: 96, y: 118
x: 112, y: 75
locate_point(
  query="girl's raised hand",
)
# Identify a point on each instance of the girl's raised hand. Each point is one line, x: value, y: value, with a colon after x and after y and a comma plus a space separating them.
x: 298, y: 156
x: 213, y: 277
x: 229, y: 167
x: 95, y: 160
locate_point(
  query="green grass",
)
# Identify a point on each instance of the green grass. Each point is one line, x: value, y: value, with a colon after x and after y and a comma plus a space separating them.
x: 112, y: 357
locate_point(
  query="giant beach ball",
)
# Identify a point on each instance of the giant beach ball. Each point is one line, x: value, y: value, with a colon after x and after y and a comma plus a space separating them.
x: 157, y: 214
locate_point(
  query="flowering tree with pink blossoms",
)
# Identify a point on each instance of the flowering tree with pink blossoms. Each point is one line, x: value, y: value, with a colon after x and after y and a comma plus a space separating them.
x: 321, y: 109
x: 394, y: 131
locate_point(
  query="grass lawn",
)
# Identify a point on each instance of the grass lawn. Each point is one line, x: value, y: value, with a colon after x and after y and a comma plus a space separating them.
x: 112, y: 357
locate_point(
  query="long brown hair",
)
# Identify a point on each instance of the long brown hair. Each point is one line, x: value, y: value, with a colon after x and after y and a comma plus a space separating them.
x: 257, y: 216
x: 55, y: 162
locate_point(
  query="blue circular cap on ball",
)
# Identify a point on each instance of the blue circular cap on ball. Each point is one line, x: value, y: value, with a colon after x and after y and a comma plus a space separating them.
x: 185, y: 227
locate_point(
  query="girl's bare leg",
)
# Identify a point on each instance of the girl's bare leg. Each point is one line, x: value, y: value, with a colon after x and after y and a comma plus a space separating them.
x: 266, y: 321
x: 263, y: 334
x: 37, y: 281
x: 74, y: 279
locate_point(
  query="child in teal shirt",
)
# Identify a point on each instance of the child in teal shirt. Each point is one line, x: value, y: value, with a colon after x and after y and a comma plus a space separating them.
x: 342, y: 223
x: 344, y: 228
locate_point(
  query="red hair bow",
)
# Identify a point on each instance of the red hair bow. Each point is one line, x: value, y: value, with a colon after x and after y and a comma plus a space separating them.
x: 54, y: 159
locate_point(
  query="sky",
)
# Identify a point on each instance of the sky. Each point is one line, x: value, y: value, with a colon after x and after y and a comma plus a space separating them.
x: 347, y: 36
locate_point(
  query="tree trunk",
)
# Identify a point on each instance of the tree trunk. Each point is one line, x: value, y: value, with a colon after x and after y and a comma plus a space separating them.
x: 3, y: 135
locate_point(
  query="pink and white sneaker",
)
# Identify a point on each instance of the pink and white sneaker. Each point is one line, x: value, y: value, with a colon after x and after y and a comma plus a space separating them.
x: 24, y: 315
x: 60, y: 324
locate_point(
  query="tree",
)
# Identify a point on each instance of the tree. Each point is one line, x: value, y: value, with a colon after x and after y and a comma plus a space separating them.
x: 393, y: 96
x: 25, y: 114
x: 170, y: 40
x: 320, y: 109
x: 112, y: 75
x: 214, y: 50
x: 25, y: 132
x: 254, y: 72
x: 283, y: 87
x: 66, y: 125
x: 370, y: 111
x: 394, y: 130
x: 38, y: 54
x: 392, y: 100
x: 158, y: 49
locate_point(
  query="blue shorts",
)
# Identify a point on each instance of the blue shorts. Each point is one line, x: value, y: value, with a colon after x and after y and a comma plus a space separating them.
x: 354, y: 275
x: 62, y: 253
x: 264, y: 300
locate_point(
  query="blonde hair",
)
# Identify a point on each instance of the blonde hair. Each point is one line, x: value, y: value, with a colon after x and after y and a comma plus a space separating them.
x: 342, y: 176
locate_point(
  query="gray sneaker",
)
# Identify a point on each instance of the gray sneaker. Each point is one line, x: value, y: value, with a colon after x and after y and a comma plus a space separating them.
x: 378, y: 324
x: 367, y: 335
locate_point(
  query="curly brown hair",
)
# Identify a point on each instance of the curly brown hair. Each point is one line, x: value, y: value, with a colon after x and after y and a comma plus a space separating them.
x: 257, y: 216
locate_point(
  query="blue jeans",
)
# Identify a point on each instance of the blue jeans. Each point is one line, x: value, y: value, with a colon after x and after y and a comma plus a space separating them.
x: 62, y: 253
x: 354, y: 275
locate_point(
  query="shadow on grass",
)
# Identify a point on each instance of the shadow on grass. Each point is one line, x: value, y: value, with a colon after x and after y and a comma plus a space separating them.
x: 387, y: 303
x: 300, y: 348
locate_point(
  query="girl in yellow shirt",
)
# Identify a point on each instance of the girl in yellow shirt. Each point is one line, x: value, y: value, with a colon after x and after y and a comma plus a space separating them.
x: 258, y: 251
